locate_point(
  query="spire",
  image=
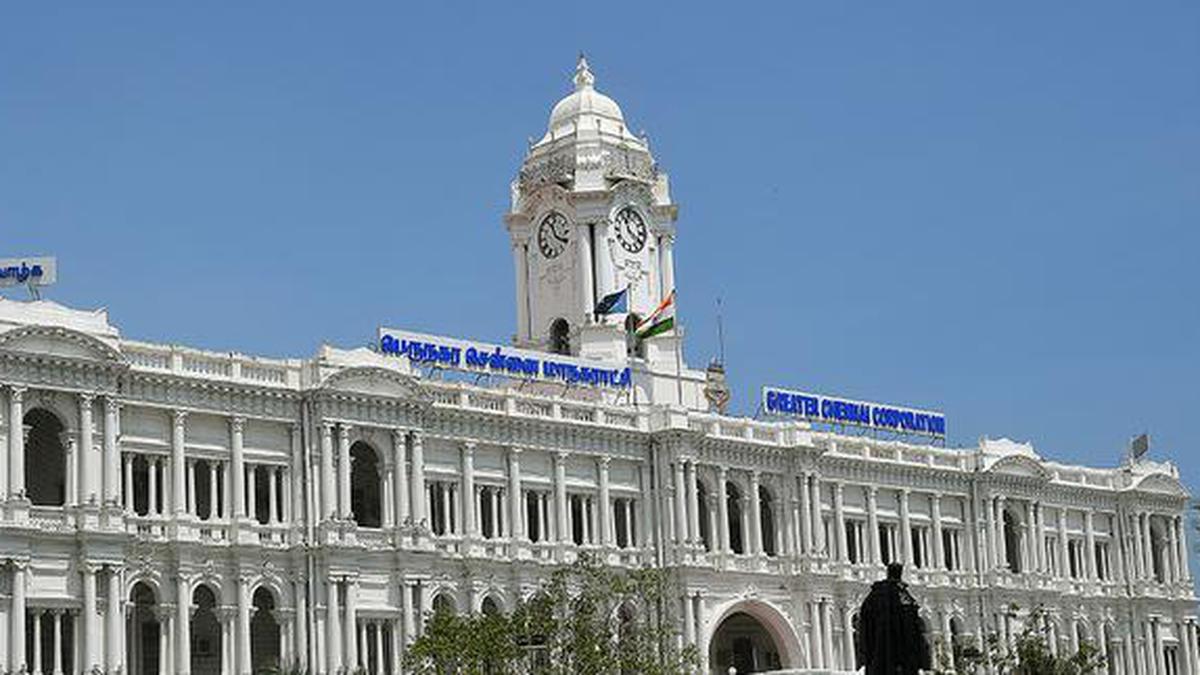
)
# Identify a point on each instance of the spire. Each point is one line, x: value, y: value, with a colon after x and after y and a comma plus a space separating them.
x: 583, y: 74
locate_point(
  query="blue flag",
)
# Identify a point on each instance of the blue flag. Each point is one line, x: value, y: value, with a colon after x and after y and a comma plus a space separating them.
x: 614, y: 303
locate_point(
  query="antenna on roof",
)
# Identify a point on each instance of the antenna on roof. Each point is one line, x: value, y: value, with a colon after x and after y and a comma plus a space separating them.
x: 720, y: 334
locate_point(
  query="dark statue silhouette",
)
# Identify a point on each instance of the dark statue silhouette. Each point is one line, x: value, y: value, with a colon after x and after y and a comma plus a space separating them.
x: 891, y: 635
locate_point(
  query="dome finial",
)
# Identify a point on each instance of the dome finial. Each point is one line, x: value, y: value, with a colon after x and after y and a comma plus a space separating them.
x: 583, y: 74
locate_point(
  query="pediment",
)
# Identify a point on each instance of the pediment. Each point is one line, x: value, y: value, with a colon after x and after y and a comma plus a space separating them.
x: 375, y: 381
x: 58, y: 342
x: 1020, y: 466
x: 1161, y: 483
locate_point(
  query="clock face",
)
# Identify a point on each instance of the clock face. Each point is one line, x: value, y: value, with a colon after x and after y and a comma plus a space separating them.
x: 553, y: 234
x: 631, y: 229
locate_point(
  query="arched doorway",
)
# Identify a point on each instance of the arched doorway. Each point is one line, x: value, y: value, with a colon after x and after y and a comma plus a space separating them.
x: 734, y: 526
x: 45, y: 459
x: 144, y: 644
x: 753, y: 637
x: 264, y: 633
x: 365, y: 481
x: 206, y: 633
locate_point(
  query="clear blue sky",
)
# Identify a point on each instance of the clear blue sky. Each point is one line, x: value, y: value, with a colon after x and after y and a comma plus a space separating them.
x: 987, y: 208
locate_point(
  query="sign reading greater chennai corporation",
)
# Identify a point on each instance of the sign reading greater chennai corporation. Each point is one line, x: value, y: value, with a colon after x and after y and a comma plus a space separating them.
x: 478, y: 357
x: 830, y: 410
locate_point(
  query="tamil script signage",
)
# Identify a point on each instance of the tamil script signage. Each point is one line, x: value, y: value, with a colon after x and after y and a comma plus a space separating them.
x: 479, y: 357
x: 832, y: 410
x: 28, y: 271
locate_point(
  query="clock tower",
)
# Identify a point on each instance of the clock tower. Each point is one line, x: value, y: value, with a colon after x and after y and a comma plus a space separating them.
x: 591, y: 214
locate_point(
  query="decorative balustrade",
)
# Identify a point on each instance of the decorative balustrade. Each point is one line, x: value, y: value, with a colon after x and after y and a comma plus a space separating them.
x: 212, y: 365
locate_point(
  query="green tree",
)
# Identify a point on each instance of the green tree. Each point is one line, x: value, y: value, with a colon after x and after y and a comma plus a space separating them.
x: 585, y: 619
x: 1030, y: 655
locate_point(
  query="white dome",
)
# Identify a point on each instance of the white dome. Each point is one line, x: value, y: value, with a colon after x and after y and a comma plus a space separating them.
x: 585, y: 100
x: 586, y: 109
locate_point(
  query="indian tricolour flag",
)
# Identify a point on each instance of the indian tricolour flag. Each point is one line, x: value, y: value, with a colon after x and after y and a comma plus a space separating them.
x: 661, y: 320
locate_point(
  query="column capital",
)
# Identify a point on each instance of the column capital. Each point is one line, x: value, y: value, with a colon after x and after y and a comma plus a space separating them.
x: 561, y: 456
x: 237, y: 423
x: 468, y: 447
x: 515, y: 450
x: 90, y: 568
x: 86, y: 398
x: 17, y: 392
x: 399, y: 435
x: 604, y: 461
x: 180, y: 417
x: 344, y: 431
x: 112, y: 404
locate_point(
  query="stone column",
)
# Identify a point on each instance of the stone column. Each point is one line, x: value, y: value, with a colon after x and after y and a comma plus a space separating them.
x: 351, y: 643
x: 1090, y: 554
x: 418, y: 479
x: 273, y: 494
x: 89, y: 487
x: 128, y: 462
x: 806, y: 530
x: 1147, y: 544
x: 756, y: 536
x: 344, y: 472
x: 689, y: 619
x: 90, y: 633
x: 1039, y: 513
x: 681, y: 523
x: 243, y: 625
x: 839, y: 529
x: 238, y: 471
x: 818, y: 520
x: 410, y: 619
x: 57, y: 660
x: 905, y: 530
x: 521, y: 267
x: 814, y: 635
x: 178, y: 465
x: 333, y: 627
x: 115, y: 620
x: 516, y: 517
x: 1063, y: 570
x: 935, y: 511
x: 606, y: 520
x: 470, y: 528
x: 152, y: 476
x: 873, y: 524
x: 723, y: 507
x: 37, y: 641
x: 400, y: 460
x: 668, y: 264
x: 827, y: 632
x: 790, y: 505
x: 848, y: 637
x: 112, y: 454
x: 183, y: 615
x: 328, y: 476
x: 560, y: 495
x: 1181, y: 525
x: 603, y: 257
x: 192, y: 510
x: 252, y: 492
x: 17, y: 614
x: 16, y: 459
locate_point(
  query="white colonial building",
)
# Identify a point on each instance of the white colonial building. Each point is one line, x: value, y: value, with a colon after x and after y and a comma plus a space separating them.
x: 172, y: 510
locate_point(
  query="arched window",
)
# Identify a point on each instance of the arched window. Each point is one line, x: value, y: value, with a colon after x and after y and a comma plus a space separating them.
x: 45, y: 459
x: 365, y: 480
x: 490, y: 607
x: 702, y: 507
x: 1012, y: 542
x: 766, y: 516
x: 560, y: 337
x: 734, y: 503
x: 206, y: 633
x: 264, y: 634
x: 444, y: 602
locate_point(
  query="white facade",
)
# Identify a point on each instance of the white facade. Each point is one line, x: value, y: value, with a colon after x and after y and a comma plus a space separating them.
x: 170, y: 510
